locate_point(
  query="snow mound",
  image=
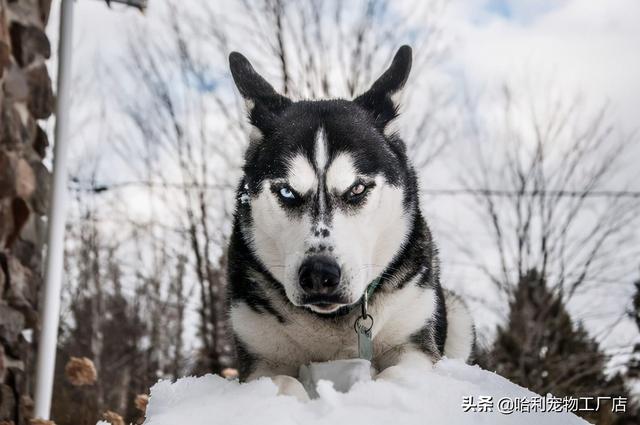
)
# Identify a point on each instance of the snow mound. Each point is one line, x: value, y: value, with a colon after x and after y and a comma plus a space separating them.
x: 427, y: 398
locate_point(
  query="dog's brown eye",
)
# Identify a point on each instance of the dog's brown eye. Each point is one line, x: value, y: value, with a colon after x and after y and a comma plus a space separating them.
x: 358, y: 189
x: 358, y: 192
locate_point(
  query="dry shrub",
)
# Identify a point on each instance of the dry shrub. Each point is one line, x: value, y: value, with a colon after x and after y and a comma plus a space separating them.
x: 80, y: 371
x: 113, y: 418
x: 141, y: 402
x: 39, y: 422
x: 229, y: 373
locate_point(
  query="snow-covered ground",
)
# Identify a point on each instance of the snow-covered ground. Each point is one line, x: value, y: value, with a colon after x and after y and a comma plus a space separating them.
x: 430, y: 398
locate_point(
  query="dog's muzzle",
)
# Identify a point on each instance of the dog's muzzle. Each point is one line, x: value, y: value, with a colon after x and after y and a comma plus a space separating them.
x: 319, y: 278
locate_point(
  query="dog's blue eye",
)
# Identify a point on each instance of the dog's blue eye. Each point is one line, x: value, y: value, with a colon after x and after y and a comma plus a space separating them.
x: 287, y: 193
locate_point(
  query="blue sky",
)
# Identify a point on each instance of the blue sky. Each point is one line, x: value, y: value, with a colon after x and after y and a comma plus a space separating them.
x: 586, y: 46
x: 522, y: 11
x: 500, y: 7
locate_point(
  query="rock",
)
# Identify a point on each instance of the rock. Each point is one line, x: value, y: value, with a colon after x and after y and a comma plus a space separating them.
x: 28, y: 129
x: 6, y: 128
x: 3, y: 364
x: 29, y: 43
x: 16, y: 86
x: 7, y: 403
x: 17, y: 178
x: 5, y: 55
x: 6, y: 221
x: 25, y: 179
x: 4, y: 272
x: 11, y: 324
x: 26, y: 406
x: 17, y: 127
x: 28, y: 12
x: 45, y: 8
x: 21, y: 292
x: 20, y: 211
x: 26, y: 95
x: 41, y: 94
x: 40, y: 197
x: 30, y: 236
x: 28, y: 254
x: 7, y: 174
x: 41, y: 142
x: 3, y: 20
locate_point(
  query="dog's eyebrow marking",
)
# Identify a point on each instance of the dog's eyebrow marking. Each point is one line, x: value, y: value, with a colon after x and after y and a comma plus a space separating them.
x: 321, y: 154
x: 301, y: 176
x: 320, y: 157
x: 341, y: 173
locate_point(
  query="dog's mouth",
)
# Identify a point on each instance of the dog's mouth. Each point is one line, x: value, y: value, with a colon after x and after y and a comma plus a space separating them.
x: 324, y: 305
x: 324, y: 308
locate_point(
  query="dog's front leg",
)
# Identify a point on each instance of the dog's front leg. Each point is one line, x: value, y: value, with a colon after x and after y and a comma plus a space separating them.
x: 287, y: 384
x: 407, y: 363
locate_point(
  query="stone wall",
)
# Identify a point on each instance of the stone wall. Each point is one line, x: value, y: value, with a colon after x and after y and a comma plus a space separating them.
x: 26, y: 98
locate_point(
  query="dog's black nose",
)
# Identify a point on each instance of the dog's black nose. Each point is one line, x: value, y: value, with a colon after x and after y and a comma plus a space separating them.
x: 319, y: 275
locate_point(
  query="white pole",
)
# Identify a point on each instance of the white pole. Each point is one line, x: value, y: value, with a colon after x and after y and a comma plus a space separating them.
x: 56, y: 223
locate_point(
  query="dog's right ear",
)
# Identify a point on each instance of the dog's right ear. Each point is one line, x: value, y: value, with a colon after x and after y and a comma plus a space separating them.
x: 262, y: 101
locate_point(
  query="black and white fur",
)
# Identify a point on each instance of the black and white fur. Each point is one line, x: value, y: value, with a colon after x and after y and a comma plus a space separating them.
x: 325, y: 182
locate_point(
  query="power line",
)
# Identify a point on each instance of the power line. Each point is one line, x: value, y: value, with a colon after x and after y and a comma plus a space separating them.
x: 533, y: 193
x: 93, y: 187
x: 80, y: 186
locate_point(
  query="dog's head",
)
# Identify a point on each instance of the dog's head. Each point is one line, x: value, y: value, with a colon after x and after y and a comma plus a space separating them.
x: 328, y: 186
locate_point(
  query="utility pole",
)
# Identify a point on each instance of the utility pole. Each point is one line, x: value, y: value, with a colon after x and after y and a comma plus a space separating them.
x: 55, y: 223
x: 47, y: 342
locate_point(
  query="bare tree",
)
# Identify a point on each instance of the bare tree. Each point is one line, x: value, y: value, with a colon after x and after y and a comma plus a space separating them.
x: 546, y: 177
x: 123, y: 309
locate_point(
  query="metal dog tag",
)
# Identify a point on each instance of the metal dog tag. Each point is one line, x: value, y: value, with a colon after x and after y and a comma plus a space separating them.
x: 365, y: 344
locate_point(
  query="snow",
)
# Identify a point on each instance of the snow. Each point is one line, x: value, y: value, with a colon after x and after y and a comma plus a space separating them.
x: 434, y: 397
x: 342, y: 373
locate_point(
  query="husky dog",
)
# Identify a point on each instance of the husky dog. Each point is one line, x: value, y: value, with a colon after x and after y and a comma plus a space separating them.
x: 328, y: 204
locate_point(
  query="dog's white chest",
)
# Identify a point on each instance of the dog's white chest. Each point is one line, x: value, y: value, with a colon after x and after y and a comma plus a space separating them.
x: 302, y: 339
x: 305, y: 338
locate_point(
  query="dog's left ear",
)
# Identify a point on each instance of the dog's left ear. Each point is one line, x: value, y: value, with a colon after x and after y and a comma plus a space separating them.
x: 379, y: 98
x: 263, y: 102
